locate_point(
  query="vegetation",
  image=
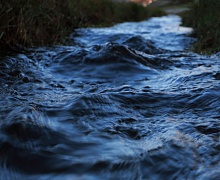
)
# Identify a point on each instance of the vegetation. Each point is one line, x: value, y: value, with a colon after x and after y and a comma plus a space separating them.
x: 39, y: 22
x: 204, y: 18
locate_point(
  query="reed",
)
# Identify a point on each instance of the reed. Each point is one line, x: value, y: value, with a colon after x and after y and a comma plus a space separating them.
x: 40, y: 23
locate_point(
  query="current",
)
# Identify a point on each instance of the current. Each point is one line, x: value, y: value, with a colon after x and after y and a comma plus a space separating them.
x: 128, y: 102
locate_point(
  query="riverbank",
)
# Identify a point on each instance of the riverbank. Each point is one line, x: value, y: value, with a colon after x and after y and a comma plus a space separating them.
x: 172, y: 7
x: 42, y: 23
x: 203, y: 17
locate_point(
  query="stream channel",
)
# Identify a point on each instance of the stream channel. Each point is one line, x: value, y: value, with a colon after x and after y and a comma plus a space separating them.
x: 126, y: 102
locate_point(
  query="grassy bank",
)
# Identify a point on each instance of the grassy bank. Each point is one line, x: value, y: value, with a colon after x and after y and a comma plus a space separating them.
x: 39, y: 22
x: 204, y: 18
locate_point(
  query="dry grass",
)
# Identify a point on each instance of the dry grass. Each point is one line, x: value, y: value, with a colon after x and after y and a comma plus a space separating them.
x: 39, y: 22
x: 204, y: 17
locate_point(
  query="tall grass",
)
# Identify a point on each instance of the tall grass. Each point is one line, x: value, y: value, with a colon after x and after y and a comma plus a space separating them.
x: 33, y: 22
x: 46, y: 22
x: 204, y: 17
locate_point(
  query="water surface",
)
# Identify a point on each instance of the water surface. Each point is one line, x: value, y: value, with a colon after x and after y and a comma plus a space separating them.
x: 126, y: 102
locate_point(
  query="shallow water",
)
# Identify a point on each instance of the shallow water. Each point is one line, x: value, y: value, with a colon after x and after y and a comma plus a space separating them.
x: 125, y: 102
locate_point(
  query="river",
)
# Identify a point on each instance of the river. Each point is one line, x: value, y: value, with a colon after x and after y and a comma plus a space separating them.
x: 126, y: 102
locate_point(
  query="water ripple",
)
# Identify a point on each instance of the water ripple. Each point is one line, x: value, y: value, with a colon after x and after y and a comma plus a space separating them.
x: 124, y: 102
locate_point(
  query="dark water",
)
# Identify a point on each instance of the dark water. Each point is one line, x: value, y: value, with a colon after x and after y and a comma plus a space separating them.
x: 126, y: 102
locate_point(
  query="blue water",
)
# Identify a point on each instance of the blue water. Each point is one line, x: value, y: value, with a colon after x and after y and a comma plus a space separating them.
x: 124, y: 102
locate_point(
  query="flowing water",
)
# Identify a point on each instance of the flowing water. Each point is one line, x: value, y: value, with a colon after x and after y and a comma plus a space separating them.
x: 124, y: 102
